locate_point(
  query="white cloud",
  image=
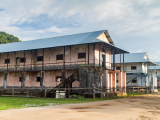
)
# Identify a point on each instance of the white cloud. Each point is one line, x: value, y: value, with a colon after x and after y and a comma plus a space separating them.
x: 131, y: 18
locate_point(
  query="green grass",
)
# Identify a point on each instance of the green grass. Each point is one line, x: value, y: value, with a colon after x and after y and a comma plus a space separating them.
x: 158, y: 90
x: 17, y: 102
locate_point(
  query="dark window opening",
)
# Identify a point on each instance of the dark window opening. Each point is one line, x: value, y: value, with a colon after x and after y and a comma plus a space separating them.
x: 103, y: 61
x: 40, y: 58
x: 116, y: 81
x: 59, y: 57
x: 38, y: 79
x: 58, y: 78
x: 20, y: 79
x: 81, y: 55
x: 7, y: 61
x: 117, y: 68
x: 133, y: 68
x: 134, y: 81
x: 22, y: 60
x: 103, y: 49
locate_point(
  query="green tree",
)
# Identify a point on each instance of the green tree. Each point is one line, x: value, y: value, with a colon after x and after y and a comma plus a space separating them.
x: 7, y: 38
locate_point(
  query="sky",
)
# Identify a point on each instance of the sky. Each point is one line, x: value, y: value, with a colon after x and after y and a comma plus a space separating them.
x: 134, y: 25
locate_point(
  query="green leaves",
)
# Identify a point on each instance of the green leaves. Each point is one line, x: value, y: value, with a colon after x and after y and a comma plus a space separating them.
x: 7, y: 38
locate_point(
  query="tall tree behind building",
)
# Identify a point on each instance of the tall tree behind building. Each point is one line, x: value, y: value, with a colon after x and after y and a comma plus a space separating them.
x: 7, y: 38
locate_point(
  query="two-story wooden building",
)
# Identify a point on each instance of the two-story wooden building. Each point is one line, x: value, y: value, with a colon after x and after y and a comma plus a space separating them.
x: 50, y: 61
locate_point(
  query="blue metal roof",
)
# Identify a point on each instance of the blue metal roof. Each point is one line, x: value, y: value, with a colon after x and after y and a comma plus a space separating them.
x: 75, y: 39
x: 133, y: 58
x: 157, y: 67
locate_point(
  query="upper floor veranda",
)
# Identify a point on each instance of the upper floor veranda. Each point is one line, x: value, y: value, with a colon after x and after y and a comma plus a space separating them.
x: 64, y: 52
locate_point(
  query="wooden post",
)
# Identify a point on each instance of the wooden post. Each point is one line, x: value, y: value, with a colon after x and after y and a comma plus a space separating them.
x: 99, y: 54
x: 88, y: 54
x: 123, y: 62
x: 113, y: 60
x: 133, y: 91
x: 45, y: 93
x: 127, y: 92
x: 145, y: 87
x: 93, y: 93
x: 43, y: 60
x: 120, y: 62
x: 113, y: 92
x: 27, y: 93
x: 150, y: 87
x: 7, y: 61
x: 24, y: 62
x: 65, y: 93
x: 94, y: 54
x: 12, y: 92
x: 64, y: 58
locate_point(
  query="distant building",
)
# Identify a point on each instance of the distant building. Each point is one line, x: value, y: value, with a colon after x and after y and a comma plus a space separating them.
x: 137, y: 69
x: 156, y: 70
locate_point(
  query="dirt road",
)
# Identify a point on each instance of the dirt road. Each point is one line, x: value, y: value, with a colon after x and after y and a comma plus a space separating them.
x: 145, y: 107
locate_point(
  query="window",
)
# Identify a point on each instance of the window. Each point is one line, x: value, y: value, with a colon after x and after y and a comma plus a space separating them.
x: 58, y: 78
x: 117, y: 68
x: 20, y: 79
x: 59, y: 57
x: 133, y: 68
x: 40, y: 58
x: 38, y: 79
x: 7, y: 61
x: 81, y: 55
x: 134, y: 81
x: 103, y: 49
x: 116, y: 81
x: 22, y: 60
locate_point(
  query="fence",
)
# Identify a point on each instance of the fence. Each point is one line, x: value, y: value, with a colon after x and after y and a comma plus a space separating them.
x: 67, y: 92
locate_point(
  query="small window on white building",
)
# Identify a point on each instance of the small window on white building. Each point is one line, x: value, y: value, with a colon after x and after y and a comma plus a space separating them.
x: 133, y: 67
x: 134, y: 81
x: 116, y: 81
x: 117, y: 68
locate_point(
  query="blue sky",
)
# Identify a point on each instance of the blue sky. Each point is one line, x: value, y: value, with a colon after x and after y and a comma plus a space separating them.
x: 134, y: 25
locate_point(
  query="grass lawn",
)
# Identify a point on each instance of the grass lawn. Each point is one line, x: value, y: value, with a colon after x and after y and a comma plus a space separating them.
x: 18, y: 102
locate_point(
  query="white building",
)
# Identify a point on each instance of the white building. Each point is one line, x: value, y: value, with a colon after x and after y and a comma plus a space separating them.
x: 156, y: 70
x: 137, y: 69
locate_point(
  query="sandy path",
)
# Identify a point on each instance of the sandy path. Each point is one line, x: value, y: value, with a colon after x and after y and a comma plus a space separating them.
x: 145, y: 107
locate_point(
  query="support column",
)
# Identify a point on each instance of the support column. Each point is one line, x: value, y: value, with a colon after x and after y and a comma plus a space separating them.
x: 6, y: 74
x: 43, y: 60
x: 111, y: 81
x: 99, y: 55
x: 113, y: 60
x: 105, y: 79
x: 94, y: 54
x: 123, y: 62
x: 115, y: 81
x: 41, y: 78
x: 88, y: 54
x: 23, y: 77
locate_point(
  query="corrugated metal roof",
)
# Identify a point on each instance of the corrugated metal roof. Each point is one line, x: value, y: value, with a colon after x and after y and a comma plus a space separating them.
x: 133, y: 58
x: 75, y: 39
x: 157, y: 67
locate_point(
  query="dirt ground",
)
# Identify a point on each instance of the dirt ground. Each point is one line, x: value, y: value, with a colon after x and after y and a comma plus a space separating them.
x: 145, y: 107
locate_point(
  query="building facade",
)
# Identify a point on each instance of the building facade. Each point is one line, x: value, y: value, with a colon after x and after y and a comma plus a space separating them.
x: 137, y: 70
x: 52, y: 61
